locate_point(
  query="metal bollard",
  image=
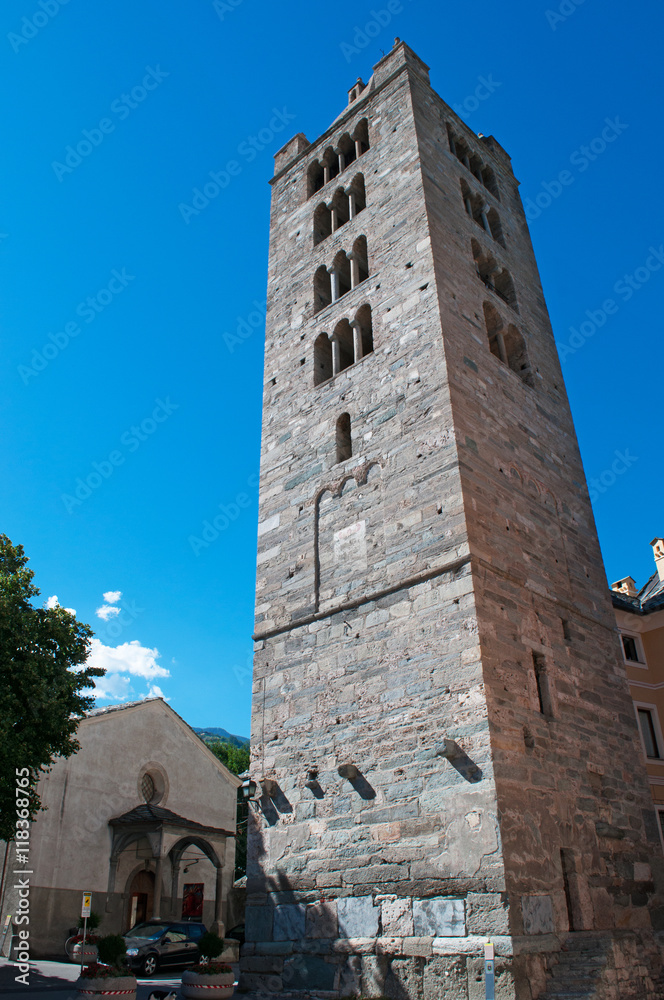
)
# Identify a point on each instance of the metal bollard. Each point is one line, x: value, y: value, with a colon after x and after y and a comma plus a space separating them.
x: 489, y: 974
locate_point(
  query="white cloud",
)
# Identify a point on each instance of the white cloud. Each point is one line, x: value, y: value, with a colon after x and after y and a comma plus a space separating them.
x: 53, y: 602
x: 156, y: 692
x: 112, y: 596
x: 122, y: 664
x: 113, y: 687
x: 128, y: 658
x: 106, y: 612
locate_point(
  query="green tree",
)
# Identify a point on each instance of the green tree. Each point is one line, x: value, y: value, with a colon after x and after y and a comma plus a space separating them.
x: 237, y: 760
x: 42, y: 677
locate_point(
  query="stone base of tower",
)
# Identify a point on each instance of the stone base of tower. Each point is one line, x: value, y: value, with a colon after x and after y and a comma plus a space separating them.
x: 306, y: 957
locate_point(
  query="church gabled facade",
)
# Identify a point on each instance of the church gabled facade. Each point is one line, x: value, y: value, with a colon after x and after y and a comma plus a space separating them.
x: 441, y: 723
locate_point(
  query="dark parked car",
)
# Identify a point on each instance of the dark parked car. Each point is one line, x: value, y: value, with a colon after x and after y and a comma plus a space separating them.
x: 158, y: 943
x: 237, y: 933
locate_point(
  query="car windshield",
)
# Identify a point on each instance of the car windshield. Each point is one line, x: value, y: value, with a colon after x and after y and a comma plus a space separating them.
x: 148, y: 931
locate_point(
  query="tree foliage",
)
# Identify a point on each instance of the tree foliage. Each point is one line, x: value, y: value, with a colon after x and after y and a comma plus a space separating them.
x: 42, y: 680
x: 237, y: 760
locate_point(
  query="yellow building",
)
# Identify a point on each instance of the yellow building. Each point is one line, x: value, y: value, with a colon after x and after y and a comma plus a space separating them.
x: 640, y: 618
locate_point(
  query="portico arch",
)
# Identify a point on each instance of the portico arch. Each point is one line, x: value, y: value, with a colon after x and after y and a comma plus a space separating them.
x: 175, y: 857
x: 139, y: 895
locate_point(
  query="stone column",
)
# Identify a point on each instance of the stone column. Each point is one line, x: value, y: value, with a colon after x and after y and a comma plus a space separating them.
x: 501, y: 347
x: 156, y: 901
x: 175, y: 877
x: 485, y: 221
x: 326, y: 174
x: 358, y: 149
x: 342, y: 163
x: 469, y: 206
x: 357, y: 340
x: 354, y: 271
x: 334, y: 280
x: 336, y: 363
x: 352, y: 205
x: 217, y: 926
x: 334, y: 212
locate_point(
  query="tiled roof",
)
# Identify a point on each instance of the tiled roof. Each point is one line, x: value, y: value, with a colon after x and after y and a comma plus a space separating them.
x: 147, y: 814
x: 650, y: 598
x: 107, y: 709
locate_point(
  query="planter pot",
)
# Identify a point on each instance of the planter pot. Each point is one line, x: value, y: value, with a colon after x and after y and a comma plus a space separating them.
x: 90, y: 954
x: 196, y: 986
x: 106, y: 988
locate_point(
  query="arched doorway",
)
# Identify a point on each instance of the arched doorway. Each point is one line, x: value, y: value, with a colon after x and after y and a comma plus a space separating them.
x: 140, y: 898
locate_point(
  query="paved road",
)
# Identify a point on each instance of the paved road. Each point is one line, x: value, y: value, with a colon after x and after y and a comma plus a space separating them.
x: 57, y: 979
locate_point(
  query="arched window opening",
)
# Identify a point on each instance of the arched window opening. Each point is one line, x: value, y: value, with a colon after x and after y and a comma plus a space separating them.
x: 462, y: 152
x: 507, y: 345
x: 494, y: 331
x: 316, y: 178
x: 361, y: 260
x: 485, y: 265
x: 474, y: 204
x: 331, y: 161
x: 495, y: 227
x: 357, y: 195
x: 347, y: 150
x: 343, y: 335
x: 504, y: 287
x: 322, y: 224
x: 467, y: 198
x: 340, y: 209
x: 341, y: 276
x: 322, y: 289
x: 322, y: 359
x: 490, y: 182
x: 473, y: 162
x: 517, y: 355
x: 365, y: 322
x: 476, y: 167
x: 361, y: 137
x: 344, y: 441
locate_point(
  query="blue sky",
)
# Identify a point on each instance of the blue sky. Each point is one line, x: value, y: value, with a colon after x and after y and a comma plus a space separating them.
x: 122, y: 363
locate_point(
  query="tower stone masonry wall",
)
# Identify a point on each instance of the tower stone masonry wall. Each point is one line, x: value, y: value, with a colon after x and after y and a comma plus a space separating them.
x: 444, y: 583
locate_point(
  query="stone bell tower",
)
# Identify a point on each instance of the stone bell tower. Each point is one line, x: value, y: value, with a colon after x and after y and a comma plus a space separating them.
x: 442, y: 729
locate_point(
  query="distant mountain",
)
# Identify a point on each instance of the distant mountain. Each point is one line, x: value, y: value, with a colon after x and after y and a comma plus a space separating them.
x: 213, y: 735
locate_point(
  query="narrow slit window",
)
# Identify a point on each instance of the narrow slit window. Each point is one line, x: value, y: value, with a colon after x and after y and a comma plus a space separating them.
x: 344, y: 441
x: 543, y: 688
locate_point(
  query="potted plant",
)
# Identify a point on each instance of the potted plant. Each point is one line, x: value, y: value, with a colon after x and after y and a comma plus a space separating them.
x: 209, y: 980
x: 109, y: 976
x: 74, y: 943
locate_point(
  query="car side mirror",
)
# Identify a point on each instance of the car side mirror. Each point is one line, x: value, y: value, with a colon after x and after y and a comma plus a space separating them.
x: 166, y: 940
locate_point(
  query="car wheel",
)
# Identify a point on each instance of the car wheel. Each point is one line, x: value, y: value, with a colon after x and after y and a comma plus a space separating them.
x: 150, y: 965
